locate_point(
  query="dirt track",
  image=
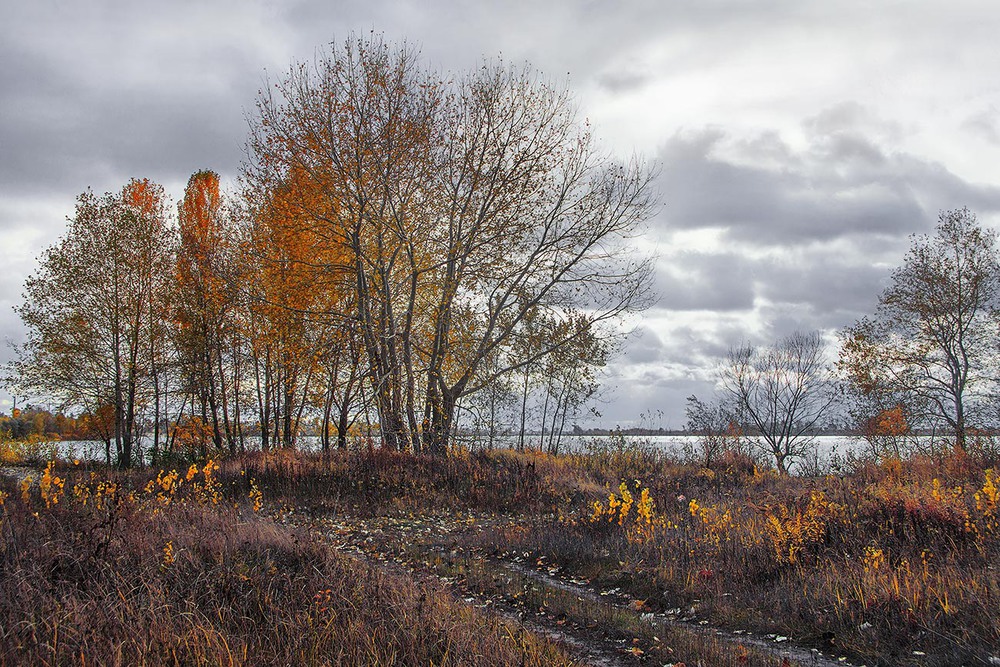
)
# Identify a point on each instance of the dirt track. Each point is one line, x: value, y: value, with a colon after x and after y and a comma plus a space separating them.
x: 428, y: 547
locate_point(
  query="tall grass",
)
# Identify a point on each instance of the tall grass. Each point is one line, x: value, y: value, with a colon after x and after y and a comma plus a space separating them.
x: 380, y: 480
x: 891, y: 563
x: 32, y: 450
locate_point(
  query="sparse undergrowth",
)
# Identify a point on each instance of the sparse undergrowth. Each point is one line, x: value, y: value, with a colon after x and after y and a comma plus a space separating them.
x: 895, y: 564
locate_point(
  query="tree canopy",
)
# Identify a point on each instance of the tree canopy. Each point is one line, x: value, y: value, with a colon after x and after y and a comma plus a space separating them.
x: 93, y: 309
x: 400, y: 241
x: 465, y: 207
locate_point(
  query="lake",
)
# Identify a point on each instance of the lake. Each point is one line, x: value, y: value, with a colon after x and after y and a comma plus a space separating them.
x: 822, y: 451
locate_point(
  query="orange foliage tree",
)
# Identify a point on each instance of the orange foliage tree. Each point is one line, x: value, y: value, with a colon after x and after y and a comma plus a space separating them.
x: 205, y: 297
x: 295, y: 290
x: 886, y: 431
x: 932, y: 340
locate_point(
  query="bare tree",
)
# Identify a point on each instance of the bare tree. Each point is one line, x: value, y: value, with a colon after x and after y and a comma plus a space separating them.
x: 537, y: 219
x: 783, y: 391
x: 718, y: 426
x: 932, y: 340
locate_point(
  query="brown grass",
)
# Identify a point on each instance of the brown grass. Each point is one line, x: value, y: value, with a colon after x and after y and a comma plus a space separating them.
x: 894, y: 563
x: 891, y: 564
x: 126, y: 574
x: 382, y: 480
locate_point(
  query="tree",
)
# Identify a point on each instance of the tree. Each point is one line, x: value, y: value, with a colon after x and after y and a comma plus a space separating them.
x: 717, y: 425
x: 887, y: 418
x: 296, y: 292
x: 341, y: 360
x: 281, y: 338
x: 92, y: 311
x: 492, y: 409
x: 570, y: 379
x: 887, y: 432
x: 357, y: 130
x: 205, y: 297
x: 932, y: 339
x: 783, y: 391
x: 536, y: 219
x: 467, y: 206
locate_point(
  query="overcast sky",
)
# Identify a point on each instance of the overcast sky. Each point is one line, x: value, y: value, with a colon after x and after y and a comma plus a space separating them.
x: 799, y: 143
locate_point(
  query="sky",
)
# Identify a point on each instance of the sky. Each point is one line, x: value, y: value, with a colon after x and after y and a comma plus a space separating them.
x: 798, y: 144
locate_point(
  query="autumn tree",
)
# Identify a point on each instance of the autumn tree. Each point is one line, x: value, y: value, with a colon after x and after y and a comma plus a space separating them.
x: 528, y: 344
x: 887, y: 432
x: 304, y: 350
x: 278, y: 333
x: 466, y: 206
x: 97, y: 425
x: 357, y: 126
x: 492, y: 409
x: 535, y: 219
x: 932, y: 339
x: 888, y: 419
x: 339, y: 391
x: 570, y: 377
x: 205, y: 297
x: 92, y: 310
x: 783, y: 391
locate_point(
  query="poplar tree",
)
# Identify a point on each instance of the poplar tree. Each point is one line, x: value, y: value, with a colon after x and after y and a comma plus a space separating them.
x: 467, y: 205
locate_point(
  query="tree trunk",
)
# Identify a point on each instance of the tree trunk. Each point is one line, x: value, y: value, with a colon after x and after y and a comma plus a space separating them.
x: 156, y: 418
x: 524, y: 411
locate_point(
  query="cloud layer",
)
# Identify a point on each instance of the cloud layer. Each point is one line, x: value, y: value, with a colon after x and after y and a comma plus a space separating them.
x: 799, y: 144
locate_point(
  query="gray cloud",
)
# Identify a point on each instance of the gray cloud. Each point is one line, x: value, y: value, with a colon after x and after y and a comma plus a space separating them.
x: 645, y: 346
x: 843, y: 184
x: 984, y: 124
x: 824, y: 288
x: 88, y: 102
x: 623, y: 81
x: 815, y: 136
x: 828, y: 284
x: 702, y: 281
x: 689, y: 347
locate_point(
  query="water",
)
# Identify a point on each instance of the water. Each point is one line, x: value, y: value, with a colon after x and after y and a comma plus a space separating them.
x: 822, y: 452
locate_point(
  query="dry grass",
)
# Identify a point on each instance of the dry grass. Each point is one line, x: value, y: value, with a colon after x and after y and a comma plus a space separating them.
x: 167, y: 570
x: 34, y: 449
x: 890, y: 564
x: 895, y: 564
x: 382, y: 480
x: 884, y: 564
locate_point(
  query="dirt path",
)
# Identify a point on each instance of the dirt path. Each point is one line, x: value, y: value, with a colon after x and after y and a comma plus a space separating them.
x: 603, y: 628
x: 774, y: 645
x: 375, y: 541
